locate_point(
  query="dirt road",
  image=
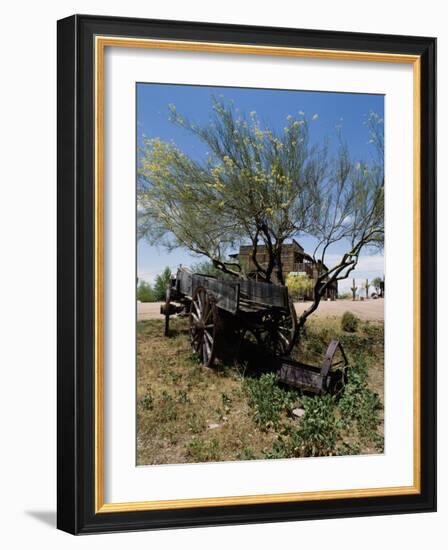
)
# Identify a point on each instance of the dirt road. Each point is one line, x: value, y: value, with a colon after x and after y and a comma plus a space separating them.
x: 369, y: 310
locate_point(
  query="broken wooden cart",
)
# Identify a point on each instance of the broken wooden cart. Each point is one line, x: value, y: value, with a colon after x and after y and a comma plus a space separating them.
x: 229, y: 317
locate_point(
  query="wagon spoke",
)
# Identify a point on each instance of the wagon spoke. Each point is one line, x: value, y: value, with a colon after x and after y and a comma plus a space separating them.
x: 207, y: 348
x: 286, y: 338
x: 202, y: 326
x: 208, y: 313
x: 195, y: 317
x: 201, y: 300
x: 198, y: 306
x: 196, y: 344
x: 207, y: 307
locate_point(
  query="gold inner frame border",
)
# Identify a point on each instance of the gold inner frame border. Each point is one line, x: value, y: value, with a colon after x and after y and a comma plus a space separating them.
x: 100, y: 44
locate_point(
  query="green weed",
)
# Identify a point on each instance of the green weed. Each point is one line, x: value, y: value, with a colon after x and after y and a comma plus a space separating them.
x: 195, y: 423
x: 203, y: 451
x: 349, y: 322
x: 316, y: 435
x: 246, y: 454
x: 268, y: 400
x: 147, y: 401
x: 167, y: 407
x: 358, y: 404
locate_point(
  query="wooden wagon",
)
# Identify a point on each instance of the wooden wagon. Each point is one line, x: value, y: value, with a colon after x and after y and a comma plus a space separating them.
x: 222, y: 311
x: 225, y: 313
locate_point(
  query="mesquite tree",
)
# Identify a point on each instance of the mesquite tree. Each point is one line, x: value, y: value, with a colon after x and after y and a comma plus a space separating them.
x: 377, y: 284
x: 261, y: 186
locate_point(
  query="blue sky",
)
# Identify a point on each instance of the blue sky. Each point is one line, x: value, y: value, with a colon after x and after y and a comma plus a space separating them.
x: 335, y: 110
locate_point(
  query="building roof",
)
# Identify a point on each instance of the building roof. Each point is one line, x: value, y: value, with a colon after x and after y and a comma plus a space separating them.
x: 260, y: 248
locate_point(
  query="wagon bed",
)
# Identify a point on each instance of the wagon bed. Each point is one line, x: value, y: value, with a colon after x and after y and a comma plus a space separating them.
x: 232, y: 296
x: 222, y: 312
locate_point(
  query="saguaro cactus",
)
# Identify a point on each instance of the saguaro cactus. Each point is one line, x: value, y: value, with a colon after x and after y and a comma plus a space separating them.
x: 367, y: 286
x: 354, y: 288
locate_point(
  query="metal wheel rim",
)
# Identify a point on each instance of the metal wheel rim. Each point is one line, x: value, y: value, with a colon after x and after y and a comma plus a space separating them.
x: 287, y: 329
x: 281, y: 338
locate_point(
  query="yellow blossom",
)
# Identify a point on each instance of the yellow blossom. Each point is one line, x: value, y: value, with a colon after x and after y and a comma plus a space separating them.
x: 258, y: 133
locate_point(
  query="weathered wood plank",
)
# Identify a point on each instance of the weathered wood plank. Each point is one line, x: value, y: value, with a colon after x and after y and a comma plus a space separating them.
x: 301, y: 376
x: 229, y: 294
x: 264, y: 293
x: 183, y: 282
x: 225, y: 293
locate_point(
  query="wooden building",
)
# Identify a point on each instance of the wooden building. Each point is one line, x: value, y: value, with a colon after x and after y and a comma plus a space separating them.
x: 294, y: 260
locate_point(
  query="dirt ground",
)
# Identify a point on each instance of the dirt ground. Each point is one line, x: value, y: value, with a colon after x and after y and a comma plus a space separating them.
x: 368, y: 310
x: 189, y: 414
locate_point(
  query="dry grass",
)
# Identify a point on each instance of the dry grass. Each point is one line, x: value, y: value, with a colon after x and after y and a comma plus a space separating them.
x: 186, y: 413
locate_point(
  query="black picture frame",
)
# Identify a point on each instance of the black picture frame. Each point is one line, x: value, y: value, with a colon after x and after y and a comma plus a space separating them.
x: 76, y: 285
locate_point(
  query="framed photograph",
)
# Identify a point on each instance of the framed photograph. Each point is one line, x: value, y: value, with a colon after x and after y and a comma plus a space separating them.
x: 246, y: 274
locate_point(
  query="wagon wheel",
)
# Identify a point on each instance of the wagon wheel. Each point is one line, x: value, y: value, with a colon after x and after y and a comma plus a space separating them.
x: 203, y: 326
x: 167, y: 309
x: 279, y: 330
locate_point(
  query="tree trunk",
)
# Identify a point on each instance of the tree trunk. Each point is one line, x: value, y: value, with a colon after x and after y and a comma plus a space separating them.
x: 279, y: 266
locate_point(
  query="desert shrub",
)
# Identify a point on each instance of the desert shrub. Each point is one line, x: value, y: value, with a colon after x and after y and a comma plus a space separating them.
x: 246, y: 454
x: 226, y: 401
x: 182, y: 397
x: 358, y: 404
x: 348, y: 449
x: 147, y: 401
x: 312, y: 342
x: 160, y: 284
x: 195, y: 423
x: 319, y: 430
x: 268, y: 400
x: 298, y: 285
x: 373, y: 333
x: 167, y: 407
x: 349, y: 322
x: 316, y: 435
x: 145, y: 292
x: 200, y: 450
